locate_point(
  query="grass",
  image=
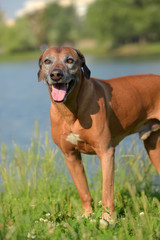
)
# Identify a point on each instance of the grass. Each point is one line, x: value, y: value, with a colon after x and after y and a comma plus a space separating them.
x: 38, y: 201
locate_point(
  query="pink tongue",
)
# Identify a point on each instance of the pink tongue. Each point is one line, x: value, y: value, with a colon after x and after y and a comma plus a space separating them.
x: 59, y: 92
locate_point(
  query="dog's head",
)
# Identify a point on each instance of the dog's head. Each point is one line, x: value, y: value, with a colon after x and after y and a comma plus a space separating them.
x: 61, y: 69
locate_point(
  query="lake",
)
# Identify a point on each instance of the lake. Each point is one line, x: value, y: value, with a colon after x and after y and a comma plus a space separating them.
x: 23, y: 99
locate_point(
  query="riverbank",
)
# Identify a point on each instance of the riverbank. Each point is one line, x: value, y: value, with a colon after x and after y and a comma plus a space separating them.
x: 20, y: 56
x: 89, y: 46
x: 140, y: 50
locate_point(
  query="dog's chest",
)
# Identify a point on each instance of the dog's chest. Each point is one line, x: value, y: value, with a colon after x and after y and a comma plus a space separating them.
x: 74, y: 138
x: 79, y: 143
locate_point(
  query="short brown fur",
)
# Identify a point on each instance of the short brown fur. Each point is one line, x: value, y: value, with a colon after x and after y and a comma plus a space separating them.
x: 97, y: 115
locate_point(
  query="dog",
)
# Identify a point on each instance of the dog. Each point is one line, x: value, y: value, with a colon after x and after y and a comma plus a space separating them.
x: 92, y: 116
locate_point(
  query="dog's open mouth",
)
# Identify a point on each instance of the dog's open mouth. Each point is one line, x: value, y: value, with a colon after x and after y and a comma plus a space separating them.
x: 59, y: 91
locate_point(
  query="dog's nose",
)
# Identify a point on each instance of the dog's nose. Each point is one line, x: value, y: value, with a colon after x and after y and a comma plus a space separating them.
x: 56, y: 74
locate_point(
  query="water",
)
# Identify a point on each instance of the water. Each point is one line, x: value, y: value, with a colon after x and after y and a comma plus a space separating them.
x: 23, y: 99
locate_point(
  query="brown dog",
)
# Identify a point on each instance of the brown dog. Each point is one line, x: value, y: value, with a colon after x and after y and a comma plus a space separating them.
x: 92, y: 116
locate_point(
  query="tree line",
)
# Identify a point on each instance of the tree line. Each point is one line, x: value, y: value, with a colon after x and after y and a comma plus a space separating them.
x: 119, y: 22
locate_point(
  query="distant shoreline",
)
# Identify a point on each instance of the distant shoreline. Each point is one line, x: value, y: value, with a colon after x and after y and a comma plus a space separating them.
x: 126, y: 51
x: 20, y: 56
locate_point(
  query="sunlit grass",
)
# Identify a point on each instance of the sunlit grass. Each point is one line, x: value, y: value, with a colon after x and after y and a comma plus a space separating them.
x: 39, y: 201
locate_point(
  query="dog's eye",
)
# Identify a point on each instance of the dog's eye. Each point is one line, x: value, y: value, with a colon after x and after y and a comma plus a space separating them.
x: 47, y: 61
x: 69, y: 60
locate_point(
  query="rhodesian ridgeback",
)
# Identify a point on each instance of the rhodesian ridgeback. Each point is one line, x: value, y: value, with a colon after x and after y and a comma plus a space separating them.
x: 92, y: 116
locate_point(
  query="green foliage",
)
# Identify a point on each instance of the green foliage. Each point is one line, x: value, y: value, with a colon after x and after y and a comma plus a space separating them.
x: 2, y: 31
x: 53, y: 25
x: 112, y: 23
x: 37, y: 200
x: 19, y: 37
x: 58, y: 24
x: 125, y: 21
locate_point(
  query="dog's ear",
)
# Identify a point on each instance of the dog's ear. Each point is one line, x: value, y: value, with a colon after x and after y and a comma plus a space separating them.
x: 40, y: 67
x: 86, y: 70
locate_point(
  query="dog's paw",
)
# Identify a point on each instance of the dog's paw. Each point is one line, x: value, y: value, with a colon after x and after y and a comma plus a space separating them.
x: 87, y: 214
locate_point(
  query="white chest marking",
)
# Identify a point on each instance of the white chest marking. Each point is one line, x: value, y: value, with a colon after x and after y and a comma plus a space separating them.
x: 73, y: 138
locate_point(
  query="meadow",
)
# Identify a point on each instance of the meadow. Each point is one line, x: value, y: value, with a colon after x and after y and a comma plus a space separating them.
x: 38, y: 200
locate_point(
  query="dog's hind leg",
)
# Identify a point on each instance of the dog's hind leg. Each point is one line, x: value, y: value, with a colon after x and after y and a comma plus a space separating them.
x: 107, y: 164
x: 152, y: 145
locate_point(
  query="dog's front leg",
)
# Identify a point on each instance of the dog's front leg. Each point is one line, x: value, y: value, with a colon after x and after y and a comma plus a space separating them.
x: 76, y: 169
x: 107, y: 164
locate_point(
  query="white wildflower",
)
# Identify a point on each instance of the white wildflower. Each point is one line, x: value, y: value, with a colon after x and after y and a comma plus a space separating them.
x: 28, y: 235
x: 31, y: 234
x: 45, y: 220
x: 141, y: 214
x: 41, y: 220
x: 93, y: 221
x: 103, y: 224
x: 100, y: 203
x: 48, y: 214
